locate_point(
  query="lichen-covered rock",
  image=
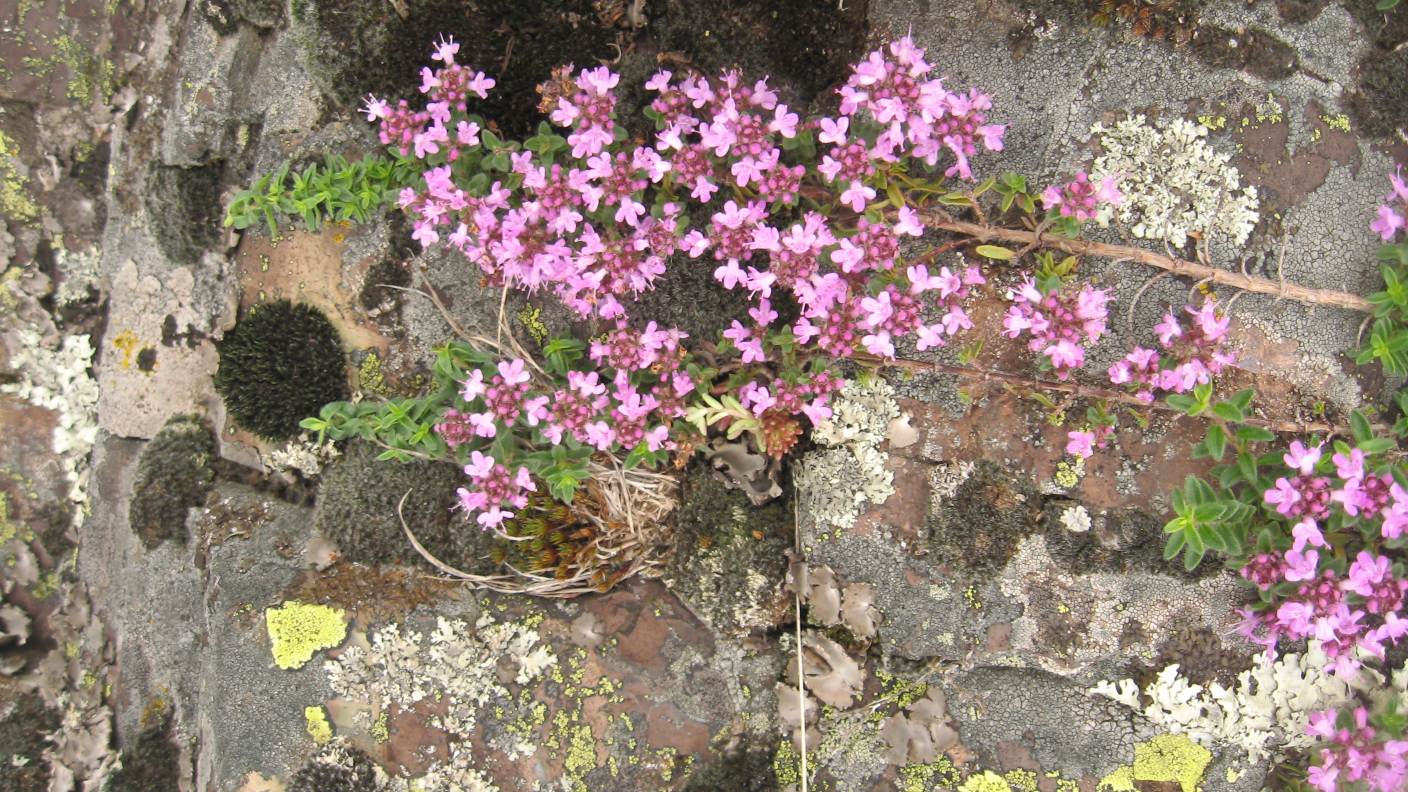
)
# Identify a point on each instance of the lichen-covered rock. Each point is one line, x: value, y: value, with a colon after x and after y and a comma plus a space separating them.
x: 730, y: 556
x: 357, y: 511
x: 299, y: 629
x: 174, y: 474
x: 280, y: 364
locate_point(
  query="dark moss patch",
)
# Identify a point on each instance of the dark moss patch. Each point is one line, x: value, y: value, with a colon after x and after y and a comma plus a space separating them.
x: 1300, y: 11
x: 1379, y: 104
x: 1129, y: 540
x: 23, y: 723
x: 688, y: 297
x: 174, y: 474
x: 384, y: 273
x: 745, y: 770
x: 1385, y: 29
x: 278, y: 365
x: 357, y: 503
x: 805, y: 46
x: 979, y: 528
x: 1252, y: 50
x: 146, y: 360
x: 1201, y: 656
x: 150, y: 764
x: 351, y: 772
x: 183, y: 205
x: 730, y: 556
x: 356, y: 47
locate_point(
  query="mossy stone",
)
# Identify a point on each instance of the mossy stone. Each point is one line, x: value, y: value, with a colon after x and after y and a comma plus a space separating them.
x: 730, y: 556
x: 174, y: 474
x: 357, y: 504
x: 280, y: 364
x: 979, y: 528
x: 23, y: 724
x: 183, y: 206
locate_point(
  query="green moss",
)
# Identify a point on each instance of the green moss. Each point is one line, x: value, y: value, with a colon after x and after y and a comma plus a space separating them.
x: 787, y: 763
x: 354, y: 48
x: 278, y: 365
x: 174, y: 474
x: 370, y: 378
x: 298, y: 629
x: 357, y: 511
x: 184, y: 207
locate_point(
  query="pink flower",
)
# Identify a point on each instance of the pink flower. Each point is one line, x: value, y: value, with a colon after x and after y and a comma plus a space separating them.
x: 879, y: 344
x: 1301, y: 565
x: 857, y: 195
x: 1306, y: 532
x: 493, y: 517
x: 480, y: 465
x: 1065, y: 354
x: 445, y: 50
x: 833, y: 131
x: 1351, y: 467
x: 1388, y: 223
x: 473, y: 386
x: 1302, y: 459
x: 909, y: 223
x: 1168, y: 329
x: 1283, y: 495
x: 484, y: 424
x: 1081, y: 444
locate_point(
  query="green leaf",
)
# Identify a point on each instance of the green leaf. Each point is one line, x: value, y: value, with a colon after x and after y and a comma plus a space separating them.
x: 1385, y: 5
x: 1227, y: 411
x: 1216, y: 441
x: 1376, y: 445
x: 1182, y: 403
x: 1193, y: 552
x: 1255, y: 434
x: 1175, y: 542
x: 1359, y: 426
x: 995, y: 252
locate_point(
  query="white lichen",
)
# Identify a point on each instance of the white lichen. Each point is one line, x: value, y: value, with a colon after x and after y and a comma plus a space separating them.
x: 1175, y: 184
x: 1075, y: 519
x: 1265, y: 714
x: 303, y: 455
x: 456, y: 664
x: 835, y: 482
x: 56, y: 378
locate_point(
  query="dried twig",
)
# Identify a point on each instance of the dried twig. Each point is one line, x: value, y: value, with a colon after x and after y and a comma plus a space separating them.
x: 1341, y: 299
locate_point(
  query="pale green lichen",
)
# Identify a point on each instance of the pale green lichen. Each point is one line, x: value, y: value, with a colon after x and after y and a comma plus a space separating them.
x: 298, y: 629
x: 318, y: 726
x: 939, y: 774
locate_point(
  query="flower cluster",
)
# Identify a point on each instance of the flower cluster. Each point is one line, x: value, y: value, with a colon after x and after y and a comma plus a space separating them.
x: 1393, y: 213
x: 1060, y: 322
x: 1358, y: 751
x: 1192, y: 354
x: 1083, y: 443
x: 1082, y: 200
x: 1313, y: 582
x: 631, y: 410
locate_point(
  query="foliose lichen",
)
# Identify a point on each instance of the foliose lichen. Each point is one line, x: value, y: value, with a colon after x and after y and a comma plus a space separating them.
x: 1174, y: 183
x: 835, y: 482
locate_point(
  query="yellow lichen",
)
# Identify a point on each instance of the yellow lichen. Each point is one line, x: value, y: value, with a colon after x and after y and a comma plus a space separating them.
x: 15, y: 202
x: 1168, y: 757
x: 1339, y: 123
x: 532, y: 320
x: 298, y: 629
x: 127, y: 343
x: 318, y: 727
x: 1213, y: 122
x: 379, y: 730
x: 940, y: 774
